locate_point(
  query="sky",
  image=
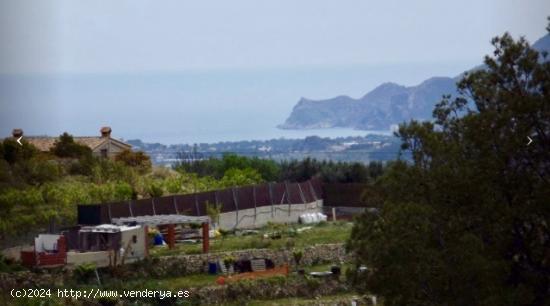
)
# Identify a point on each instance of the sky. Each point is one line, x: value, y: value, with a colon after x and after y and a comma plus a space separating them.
x: 203, y: 71
x: 69, y: 36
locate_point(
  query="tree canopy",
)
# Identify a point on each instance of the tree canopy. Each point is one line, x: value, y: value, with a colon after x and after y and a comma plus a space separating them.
x: 466, y: 222
x: 65, y: 146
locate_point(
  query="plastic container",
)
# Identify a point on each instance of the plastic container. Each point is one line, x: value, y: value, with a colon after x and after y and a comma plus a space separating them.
x: 212, y: 268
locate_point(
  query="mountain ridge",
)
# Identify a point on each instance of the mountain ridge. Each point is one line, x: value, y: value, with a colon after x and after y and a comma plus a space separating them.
x: 386, y: 105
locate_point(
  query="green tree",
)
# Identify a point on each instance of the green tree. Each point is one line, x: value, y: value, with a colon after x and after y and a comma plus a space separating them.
x: 13, y: 152
x: 138, y: 160
x: 467, y: 222
x: 66, y: 147
x: 240, y: 177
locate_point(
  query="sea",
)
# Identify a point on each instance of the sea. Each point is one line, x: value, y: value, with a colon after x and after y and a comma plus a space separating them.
x: 193, y: 106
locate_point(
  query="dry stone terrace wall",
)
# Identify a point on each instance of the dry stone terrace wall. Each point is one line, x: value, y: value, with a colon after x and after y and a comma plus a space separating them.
x: 178, y: 265
x: 322, y: 253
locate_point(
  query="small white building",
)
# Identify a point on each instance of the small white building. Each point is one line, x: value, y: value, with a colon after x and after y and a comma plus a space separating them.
x: 107, y: 245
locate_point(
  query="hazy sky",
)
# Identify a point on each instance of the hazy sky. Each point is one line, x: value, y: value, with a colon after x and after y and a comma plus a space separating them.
x: 203, y: 71
x: 145, y: 35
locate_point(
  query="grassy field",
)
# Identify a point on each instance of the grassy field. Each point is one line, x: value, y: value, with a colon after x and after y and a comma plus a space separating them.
x: 290, y: 237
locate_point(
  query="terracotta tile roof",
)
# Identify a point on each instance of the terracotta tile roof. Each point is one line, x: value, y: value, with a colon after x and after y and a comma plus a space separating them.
x: 92, y: 142
x: 41, y: 143
x: 44, y: 143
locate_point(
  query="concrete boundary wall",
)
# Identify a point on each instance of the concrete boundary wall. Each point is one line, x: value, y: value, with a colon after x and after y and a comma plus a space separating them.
x: 261, y: 215
x: 270, y: 197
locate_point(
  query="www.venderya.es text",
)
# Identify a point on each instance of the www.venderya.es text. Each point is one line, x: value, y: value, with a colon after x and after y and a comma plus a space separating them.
x: 94, y: 293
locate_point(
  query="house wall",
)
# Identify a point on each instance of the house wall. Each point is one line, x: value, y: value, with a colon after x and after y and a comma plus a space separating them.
x: 45, y: 242
x: 112, y: 149
x: 253, y: 218
x: 100, y: 258
x: 134, y: 251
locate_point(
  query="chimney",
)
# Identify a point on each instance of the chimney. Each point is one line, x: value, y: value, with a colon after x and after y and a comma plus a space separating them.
x: 17, y: 133
x: 105, y: 131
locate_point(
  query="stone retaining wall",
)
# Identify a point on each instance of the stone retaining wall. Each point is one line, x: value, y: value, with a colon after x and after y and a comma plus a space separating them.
x: 322, y: 253
x: 179, y: 265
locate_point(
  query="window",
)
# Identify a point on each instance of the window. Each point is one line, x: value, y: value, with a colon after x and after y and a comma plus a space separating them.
x: 104, y: 153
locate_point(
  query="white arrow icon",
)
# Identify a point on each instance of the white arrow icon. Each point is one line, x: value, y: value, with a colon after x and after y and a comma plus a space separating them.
x: 19, y: 140
x: 530, y: 140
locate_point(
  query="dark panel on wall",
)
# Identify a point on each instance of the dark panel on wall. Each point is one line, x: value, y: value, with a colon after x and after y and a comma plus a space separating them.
x: 295, y: 196
x: 204, y: 197
x: 349, y: 195
x: 306, y: 192
x: 317, y: 188
x: 245, y: 197
x: 143, y: 207
x: 186, y: 204
x: 262, y: 195
x: 225, y: 196
x: 120, y: 209
x: 165, y: 206
x: 279, y: 193
x: 89, y: 214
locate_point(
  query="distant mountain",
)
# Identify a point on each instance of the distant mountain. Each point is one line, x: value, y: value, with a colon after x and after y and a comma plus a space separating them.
x: 388, y: 104
x: 542, y: 44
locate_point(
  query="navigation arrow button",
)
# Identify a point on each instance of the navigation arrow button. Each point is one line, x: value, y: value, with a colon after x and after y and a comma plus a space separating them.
x: 19, y: 140
x: 530, y: 140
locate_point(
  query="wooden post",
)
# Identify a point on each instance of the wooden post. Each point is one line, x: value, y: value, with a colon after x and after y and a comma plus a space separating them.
x: 146, y: 229
x: 254, y: 196
x: 334, y: 214
x: 205, y: 237
x: 287, y: 196
x: 171, y: 236
x: 271, y: 198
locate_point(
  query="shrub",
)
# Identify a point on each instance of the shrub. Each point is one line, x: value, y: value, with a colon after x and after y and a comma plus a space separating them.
x: 66, y: 147
x: 297, y: 254
x: 84, y: 272
x: 138, y: 160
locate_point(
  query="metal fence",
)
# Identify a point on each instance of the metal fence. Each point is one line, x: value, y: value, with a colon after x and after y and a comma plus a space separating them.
x: 344, y: 194
x: 231, y: 199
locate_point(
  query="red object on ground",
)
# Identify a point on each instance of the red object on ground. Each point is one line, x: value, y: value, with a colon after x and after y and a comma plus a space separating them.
x: 282, y: 270
x: 28, y: 258
x: 205, y: 237
x: 220, y: 280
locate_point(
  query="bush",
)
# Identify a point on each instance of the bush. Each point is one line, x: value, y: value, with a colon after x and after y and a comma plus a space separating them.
x: 138, y: 160
x: 85, y: 272
x: 8, y: 265
x: 259, y: 243
x: 14, y: 152
x: 155, y: 189
x: 297, y: 255
x: 66, y: 147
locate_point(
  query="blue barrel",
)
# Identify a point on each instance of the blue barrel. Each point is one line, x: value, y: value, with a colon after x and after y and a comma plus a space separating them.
x: 212, y: 268
x: 158, y: 239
